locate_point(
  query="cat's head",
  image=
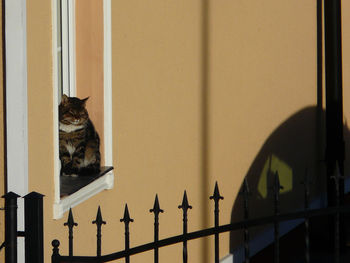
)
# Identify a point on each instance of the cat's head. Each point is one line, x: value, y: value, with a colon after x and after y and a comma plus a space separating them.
x: 72, y: 111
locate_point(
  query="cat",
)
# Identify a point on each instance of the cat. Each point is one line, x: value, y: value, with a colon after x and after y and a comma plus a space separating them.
x: 79, y: 142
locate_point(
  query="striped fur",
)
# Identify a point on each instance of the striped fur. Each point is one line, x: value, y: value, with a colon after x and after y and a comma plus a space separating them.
x: 79, y: 142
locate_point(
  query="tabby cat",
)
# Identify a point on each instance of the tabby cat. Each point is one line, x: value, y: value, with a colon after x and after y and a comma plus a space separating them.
x: 79, y: 142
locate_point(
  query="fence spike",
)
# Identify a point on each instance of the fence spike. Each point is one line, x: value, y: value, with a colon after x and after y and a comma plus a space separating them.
x: 156, y: 208
x: 99, y: 222
x: 126, y: 219
x: 277, y: 189
x: 337, y: 176
x: 70, y: 220
x: 216, y: 195
x: 245, y: 189
x: 306, y: 184
x: 246, y: 193
x: 185, y: 206
x: 70, y: 223
x: 278, y: 185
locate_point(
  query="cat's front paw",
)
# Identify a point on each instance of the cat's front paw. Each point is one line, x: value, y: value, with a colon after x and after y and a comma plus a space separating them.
x: 70, y: 175
x: 69, y: 170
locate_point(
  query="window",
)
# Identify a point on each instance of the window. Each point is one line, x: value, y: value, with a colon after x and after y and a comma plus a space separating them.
x: 82, y: 68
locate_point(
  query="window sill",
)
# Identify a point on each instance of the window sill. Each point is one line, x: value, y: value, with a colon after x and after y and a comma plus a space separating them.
x: 88, y: 187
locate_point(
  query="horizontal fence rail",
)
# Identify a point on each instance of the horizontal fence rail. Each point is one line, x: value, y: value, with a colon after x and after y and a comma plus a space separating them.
x: 273, y: 220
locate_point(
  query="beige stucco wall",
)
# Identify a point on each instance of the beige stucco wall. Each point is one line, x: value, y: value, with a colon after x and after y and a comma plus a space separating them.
x: 346, y: 58
x: 239, y: 79
x: 40, y: 109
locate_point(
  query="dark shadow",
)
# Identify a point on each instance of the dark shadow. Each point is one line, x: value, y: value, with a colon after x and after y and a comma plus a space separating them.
x: 294, y: 148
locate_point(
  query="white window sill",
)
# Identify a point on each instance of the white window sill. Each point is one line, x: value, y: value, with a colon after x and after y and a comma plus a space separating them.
x: 227, y: 259
x: 104, y: 182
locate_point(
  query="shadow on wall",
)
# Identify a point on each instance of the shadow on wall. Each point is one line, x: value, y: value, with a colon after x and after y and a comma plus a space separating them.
x: 294, y: 148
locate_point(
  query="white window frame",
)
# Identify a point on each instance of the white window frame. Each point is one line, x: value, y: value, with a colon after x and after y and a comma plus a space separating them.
x: 106, y: 181
x: 68, y: 47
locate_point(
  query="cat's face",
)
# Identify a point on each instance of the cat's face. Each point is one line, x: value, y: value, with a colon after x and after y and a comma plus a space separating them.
x: 72, y: 111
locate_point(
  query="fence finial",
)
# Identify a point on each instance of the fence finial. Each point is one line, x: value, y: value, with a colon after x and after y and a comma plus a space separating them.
x: 277, y: 188
x: 70, y: 223
x: 156, y: 208
x: 185, y: 206
x: 337, y: 176
x: 70, y: 220
x: 277, y: 185
x: 99, y: 222
x: 126, y: 219
x: 245, y: 188
x: 216, y: 195
x: 55, y: 243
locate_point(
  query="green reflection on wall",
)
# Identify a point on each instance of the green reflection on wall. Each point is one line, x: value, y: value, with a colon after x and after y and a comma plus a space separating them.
x: 272, y: 165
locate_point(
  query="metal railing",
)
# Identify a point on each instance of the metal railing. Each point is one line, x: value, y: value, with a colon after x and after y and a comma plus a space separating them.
x: 186, y: 236
x: 33, y: 233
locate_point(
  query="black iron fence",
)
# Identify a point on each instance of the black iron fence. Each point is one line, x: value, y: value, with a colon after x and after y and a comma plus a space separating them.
x: 33, y: 232
x: 275, y: 220
x: 33, y: 229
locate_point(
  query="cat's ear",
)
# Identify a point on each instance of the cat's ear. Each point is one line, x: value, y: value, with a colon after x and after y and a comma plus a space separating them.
x: 64, y: 99
x: 84, y: 100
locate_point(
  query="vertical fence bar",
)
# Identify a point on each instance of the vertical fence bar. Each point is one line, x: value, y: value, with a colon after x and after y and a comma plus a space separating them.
x: 185, y: 206
x: 156, y: 210
x: 245, y: 192
x: 335, y: 146
x: 11, y: 227
x: 34, y: 229
x: 307, y: 220
x: 336, y: 224
x: 126, y: 219
x: 216, y: 197
x: 337, y: 177
x: 70, y: 223
x: 277, y: 188
x: 99, y: 222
